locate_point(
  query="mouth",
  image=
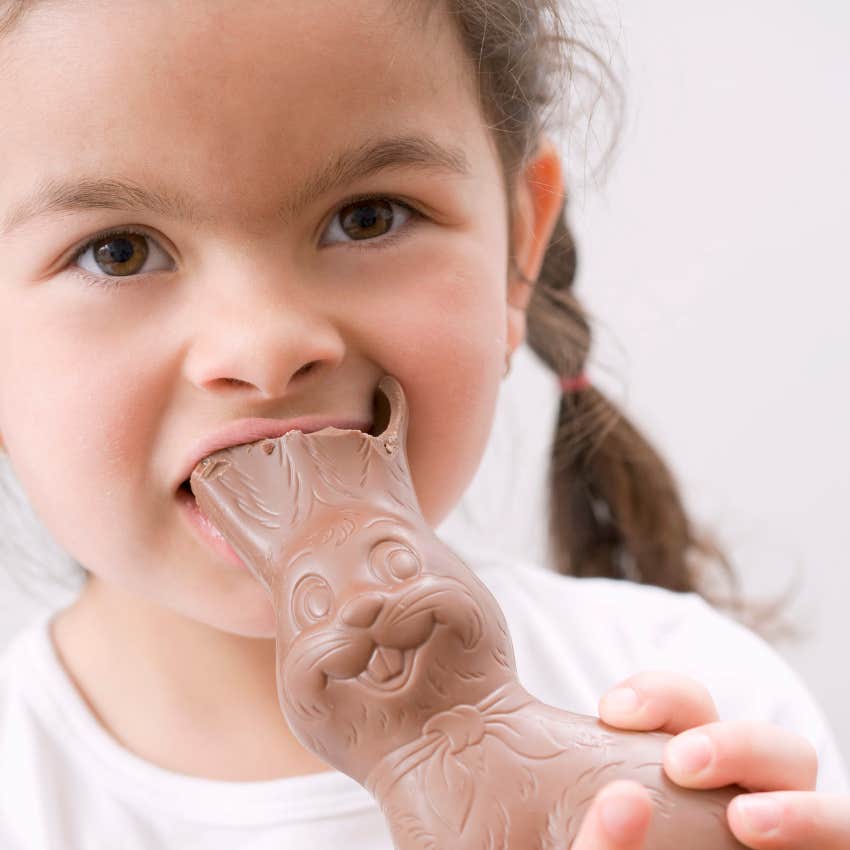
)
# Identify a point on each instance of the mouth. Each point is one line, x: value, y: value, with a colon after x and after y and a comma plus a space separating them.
x: 388, y: 669
x: 184, y: 491
x: 375, y: 428
x: 258, y: 430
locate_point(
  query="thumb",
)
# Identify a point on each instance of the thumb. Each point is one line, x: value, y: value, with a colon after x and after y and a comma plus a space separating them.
x: 618, y: 819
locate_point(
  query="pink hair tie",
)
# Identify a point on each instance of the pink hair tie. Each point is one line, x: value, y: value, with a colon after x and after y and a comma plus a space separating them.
x: 574, y: 384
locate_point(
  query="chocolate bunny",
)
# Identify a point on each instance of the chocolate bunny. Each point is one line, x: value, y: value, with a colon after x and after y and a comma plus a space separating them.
x: 394, y: 662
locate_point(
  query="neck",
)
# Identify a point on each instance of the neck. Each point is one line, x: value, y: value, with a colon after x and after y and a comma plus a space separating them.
x: 180, y: 694
x: 450, y: 731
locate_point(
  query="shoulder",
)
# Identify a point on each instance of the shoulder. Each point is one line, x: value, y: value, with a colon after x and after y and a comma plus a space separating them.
x: 622, y: 621
x: 16, y: 667
x: 574, y: 638
x: 20, y: 691
x: 26, y: 758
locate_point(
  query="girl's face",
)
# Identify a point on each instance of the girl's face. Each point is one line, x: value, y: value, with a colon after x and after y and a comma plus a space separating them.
x: 232, y: 140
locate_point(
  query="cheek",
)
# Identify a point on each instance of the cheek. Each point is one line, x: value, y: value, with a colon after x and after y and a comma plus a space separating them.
x: 447, y: 347
x: 75, y: 418
x: 447, y: 440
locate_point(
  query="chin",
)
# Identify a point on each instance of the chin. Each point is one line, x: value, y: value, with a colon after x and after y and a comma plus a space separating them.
x: 261, y: 625
x: 238, y: 617
x: 252, y: 630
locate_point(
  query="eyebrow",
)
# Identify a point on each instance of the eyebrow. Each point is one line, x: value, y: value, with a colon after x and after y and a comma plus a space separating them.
x: 419, y: 152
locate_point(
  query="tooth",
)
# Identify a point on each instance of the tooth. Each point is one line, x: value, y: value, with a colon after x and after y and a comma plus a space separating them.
x: 385, y: 663
x: 211, y: 467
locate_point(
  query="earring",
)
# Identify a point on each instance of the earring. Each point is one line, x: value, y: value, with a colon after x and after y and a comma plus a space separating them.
x: 507, y: 365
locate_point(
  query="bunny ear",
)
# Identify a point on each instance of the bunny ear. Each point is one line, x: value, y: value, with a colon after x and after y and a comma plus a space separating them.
x: 235, y: 489
x: 391, y: 404
x: 449, y: 789
x: 392, y: 416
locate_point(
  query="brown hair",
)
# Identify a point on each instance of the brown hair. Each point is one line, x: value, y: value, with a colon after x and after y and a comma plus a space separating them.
x: 615, y: 508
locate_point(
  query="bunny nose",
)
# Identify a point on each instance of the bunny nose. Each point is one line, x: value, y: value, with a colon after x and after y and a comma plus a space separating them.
x: 363, y: 610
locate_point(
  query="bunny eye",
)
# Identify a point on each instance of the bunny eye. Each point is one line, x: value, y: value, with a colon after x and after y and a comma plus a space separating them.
x: 392, y: 561
x: 312, y: 599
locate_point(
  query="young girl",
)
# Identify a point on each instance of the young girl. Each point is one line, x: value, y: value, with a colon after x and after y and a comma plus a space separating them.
x: 217, y: 214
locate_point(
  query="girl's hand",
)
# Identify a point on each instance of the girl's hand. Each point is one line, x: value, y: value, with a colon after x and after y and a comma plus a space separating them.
x: 757, y: 756
x: 618, y: 819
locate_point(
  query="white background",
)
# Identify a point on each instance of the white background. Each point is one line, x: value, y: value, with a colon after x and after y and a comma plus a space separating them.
x: 715, y: 260
x: 715, y: 257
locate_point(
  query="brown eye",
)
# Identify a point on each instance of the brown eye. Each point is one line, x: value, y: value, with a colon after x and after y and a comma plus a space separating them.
x: 378, y: 220
x: 392, y: 560
x: 312, y: 599
x: 366, y: 219
x: 120, y: 253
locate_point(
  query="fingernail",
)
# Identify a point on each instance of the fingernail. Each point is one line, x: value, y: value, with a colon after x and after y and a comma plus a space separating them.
x: 760, y: 814
x: 690, y: 754
x: 620, y: 817
x: 622, y: 701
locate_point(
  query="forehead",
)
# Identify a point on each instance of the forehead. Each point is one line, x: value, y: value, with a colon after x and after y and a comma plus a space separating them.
x: 226, y: 95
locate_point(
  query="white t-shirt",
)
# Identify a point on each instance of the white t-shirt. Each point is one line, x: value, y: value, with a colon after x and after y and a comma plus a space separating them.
x: 66, y: 784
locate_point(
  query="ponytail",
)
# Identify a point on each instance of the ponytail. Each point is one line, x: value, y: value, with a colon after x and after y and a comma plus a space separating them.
x: 615, y: 509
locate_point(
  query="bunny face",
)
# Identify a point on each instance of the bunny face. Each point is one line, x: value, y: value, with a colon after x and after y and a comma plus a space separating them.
x: 381, y: 626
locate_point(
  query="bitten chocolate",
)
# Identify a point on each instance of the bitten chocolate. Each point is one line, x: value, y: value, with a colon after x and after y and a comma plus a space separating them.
x: 395, y: 664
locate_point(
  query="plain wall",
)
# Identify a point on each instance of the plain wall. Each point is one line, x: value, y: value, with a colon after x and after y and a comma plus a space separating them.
x: 715, y: 258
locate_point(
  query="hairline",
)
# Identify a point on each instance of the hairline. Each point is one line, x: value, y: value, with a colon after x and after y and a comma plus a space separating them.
x: 12, y: 12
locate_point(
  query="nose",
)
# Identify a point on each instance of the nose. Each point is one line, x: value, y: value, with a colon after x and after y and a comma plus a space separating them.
x: 262, y: 338
x: 363, y: 610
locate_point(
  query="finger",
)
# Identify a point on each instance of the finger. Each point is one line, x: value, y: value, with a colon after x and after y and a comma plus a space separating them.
x: 618, y: 818
x: 791, y: 820
x: 656, y: 700
x: 758, y: 756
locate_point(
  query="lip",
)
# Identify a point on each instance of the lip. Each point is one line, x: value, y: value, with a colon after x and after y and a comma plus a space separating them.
x: 207, y: 533
x: 250, y: 430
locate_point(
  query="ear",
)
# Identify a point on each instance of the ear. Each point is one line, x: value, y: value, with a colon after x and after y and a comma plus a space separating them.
x: 538, y: 197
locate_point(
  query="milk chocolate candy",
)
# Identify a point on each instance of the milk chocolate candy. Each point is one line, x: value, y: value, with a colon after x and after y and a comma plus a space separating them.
x: 394, y: 663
